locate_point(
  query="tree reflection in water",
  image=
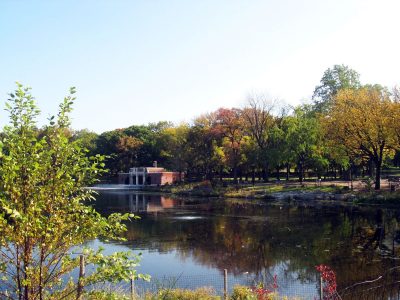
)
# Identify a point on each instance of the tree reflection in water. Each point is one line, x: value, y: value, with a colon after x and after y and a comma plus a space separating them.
x: 259, y: 238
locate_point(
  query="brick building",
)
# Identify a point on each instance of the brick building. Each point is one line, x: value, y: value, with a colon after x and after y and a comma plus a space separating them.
x: 148, y: 176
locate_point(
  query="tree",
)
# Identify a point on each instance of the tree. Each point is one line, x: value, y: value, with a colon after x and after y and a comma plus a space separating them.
x: 259, y: 123
x: 44, y: 218
x: 333, y: 80
x: 230, y: 125
x: 365, y: 121
x: 173, y: 147
x: 150, y: 150
x: 87, y: 140
x: 106, y: 144
x: 200, y: 147
x: 304, y: 137
x: 277, y: 154
x: 128, y: 148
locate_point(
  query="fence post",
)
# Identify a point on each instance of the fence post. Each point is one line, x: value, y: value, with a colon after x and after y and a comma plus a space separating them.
x: 81, y: 276
x: 321, y: 291
x: 225, y: 284
x: 132, y: 290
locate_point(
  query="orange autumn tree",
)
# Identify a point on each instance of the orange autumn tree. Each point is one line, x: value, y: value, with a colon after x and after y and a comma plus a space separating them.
x: 230, y: 125
x: 364, y: 121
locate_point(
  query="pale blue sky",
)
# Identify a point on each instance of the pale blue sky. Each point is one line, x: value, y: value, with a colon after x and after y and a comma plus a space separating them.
x: 135, y: 62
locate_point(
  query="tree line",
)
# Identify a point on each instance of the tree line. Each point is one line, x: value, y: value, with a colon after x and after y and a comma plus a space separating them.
x: 348, y: 129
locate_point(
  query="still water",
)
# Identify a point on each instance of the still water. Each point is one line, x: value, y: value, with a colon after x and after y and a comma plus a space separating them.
x: 189, y: 242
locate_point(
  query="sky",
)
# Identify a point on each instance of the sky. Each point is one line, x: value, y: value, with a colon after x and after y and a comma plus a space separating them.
x: 135, y: 62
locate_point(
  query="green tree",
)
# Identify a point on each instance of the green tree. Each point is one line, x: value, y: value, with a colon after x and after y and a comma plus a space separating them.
x: 277, y: 154
x: 304, y: 140
x: 333, y: 80
x: 173, y: 147
x: 201, y: 147
x: 151, y: 147
x: 87, y: 140
x: 44, y: 217
x: 106, y: 144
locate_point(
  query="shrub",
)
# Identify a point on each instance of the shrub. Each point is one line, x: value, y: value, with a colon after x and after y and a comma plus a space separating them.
x: 256, y: 293
x: 203, y: 293
x: 44, y: 215
x: 243, y: 293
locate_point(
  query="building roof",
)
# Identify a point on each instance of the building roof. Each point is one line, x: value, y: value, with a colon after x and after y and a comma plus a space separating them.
x: 154, y: 170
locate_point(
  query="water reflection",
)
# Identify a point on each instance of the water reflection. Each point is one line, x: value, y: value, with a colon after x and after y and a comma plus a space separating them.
x: 131, y: 201
x: 259, y: 241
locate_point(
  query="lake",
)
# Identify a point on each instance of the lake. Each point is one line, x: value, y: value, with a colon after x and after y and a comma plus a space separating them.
x: 189, y: 242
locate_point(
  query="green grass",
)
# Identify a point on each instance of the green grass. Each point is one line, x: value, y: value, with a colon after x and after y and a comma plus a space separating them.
x: 258, y: 191
x: 263, y: 191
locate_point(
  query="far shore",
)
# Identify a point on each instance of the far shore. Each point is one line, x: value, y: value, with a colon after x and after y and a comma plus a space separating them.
x: 356, y: 192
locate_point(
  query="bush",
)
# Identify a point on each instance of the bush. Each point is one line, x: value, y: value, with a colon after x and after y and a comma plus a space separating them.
x: 103, y: 295
x: 258, y: 293
x: 203, y: 293
x: 242, y: 293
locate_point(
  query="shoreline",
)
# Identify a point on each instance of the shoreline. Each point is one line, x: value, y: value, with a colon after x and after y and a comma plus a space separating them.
x: 284, y: 194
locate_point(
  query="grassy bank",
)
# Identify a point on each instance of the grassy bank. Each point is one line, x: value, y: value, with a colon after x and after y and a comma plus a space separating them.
x: 258, y: 191
x: 287, y: 190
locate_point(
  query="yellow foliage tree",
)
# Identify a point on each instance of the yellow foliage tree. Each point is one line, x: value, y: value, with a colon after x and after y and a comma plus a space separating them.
x: 365, y: 122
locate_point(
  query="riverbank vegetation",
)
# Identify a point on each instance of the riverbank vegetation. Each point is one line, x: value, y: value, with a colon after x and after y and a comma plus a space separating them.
x: 357, y: 192
x: 347, y: 131
x: 203, y: 293
x: 248, y: 191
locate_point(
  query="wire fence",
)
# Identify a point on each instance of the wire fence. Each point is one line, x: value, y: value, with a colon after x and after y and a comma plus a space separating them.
x: 385, y: 286
x: 220, y: 284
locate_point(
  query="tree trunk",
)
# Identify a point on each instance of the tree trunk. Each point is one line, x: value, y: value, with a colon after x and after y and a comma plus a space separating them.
x: 253, y: 175
x: 300, y: 167
x: 278, y: 174
x: 346, y: 174
x: 370, y: 168
x: 265, y: 173
x: 287, y: 171
x: 235, y: 179
x: 378, y: 174
x: 351, y: 177
x: 26, y: 260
